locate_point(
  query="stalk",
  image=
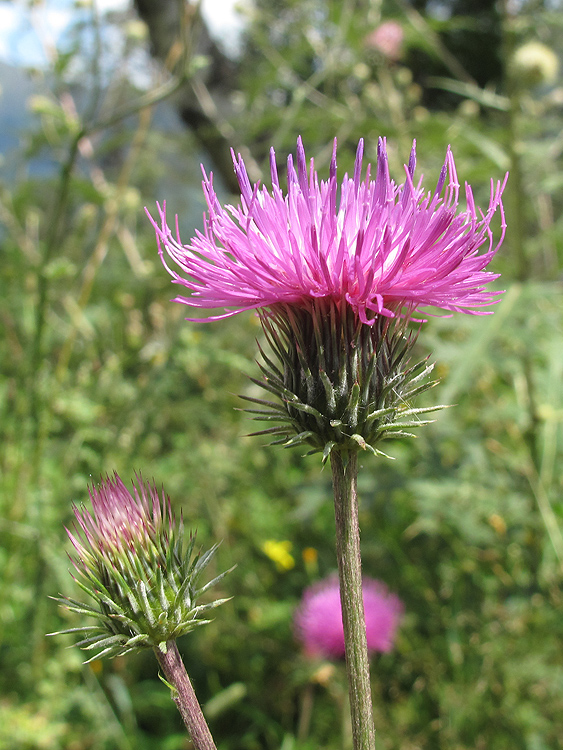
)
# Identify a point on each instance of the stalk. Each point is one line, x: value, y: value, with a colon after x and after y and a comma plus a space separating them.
x: 184, y: 696
x: 344, y: 479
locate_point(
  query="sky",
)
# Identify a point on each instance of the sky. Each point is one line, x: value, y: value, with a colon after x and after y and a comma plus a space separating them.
x: 24, y: 33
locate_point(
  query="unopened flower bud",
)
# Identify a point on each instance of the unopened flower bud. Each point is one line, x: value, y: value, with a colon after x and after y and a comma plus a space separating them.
x: 534, y: 64
x: 134, y: 561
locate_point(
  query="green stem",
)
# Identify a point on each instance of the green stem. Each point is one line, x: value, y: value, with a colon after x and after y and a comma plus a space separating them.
x: 344, y: 480
x: 51, y: 243
x: 516, y: 197
x: 184, y: 696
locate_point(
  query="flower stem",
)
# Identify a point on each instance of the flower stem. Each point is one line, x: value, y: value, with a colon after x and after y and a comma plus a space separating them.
x: 344, y: 479
x: 184, y: 696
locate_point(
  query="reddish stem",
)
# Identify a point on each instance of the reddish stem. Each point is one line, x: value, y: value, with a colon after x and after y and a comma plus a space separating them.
x: 184, y: 696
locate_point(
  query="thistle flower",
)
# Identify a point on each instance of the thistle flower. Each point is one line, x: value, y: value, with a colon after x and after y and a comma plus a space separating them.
x: 335, y: 281
x: 318, y: 619
x: 382, y: 248
x: 388, y: 39
x: 133, y: 560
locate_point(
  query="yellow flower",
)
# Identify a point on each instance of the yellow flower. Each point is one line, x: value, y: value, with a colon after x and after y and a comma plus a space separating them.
x: 310, y: 558
x: 280, y: 553
x: 310, y: 555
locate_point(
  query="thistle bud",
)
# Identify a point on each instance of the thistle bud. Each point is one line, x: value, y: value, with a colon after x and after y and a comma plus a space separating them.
x: 534, y: 64
x: 134, y: 561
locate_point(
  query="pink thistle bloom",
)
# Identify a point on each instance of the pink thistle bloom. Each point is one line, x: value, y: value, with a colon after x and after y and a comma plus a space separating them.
x: 378, y: 247
x: 388, y: 39
x: 318, y: 619
x: 120, y: 521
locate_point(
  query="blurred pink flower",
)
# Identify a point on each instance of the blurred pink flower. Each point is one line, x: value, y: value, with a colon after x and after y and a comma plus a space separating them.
x: 377, y: 247
x: 388, y: 39
x: 318, y: 619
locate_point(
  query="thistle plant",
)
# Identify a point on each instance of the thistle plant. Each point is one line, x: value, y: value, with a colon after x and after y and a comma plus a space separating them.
x: 337, y: 274
x: 134, y: 561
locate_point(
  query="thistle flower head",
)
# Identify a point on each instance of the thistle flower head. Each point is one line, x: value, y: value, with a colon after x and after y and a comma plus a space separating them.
x: 377, y: 246
x: 336, y: 272
x: 387, y: 39
x: 318, y: 619
x: 120, y: 520
x: 133, y: 560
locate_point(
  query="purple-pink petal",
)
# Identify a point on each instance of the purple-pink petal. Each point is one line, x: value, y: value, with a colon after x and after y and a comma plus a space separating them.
x: 381, y: 247
x: 119, y: 519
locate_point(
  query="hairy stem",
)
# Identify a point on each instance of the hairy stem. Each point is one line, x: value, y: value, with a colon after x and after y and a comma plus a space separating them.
x: 184, y: 696
x: 344, y: 478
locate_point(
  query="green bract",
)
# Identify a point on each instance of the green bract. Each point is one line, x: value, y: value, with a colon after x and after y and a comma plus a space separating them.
x: 135, y: 562
x: 341, y: 383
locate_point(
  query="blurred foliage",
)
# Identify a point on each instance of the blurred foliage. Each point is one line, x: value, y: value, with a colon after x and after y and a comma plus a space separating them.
x: 100, y: 372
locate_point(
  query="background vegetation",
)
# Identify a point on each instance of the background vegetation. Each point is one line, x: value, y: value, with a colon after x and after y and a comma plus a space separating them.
x: 100, y: 372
